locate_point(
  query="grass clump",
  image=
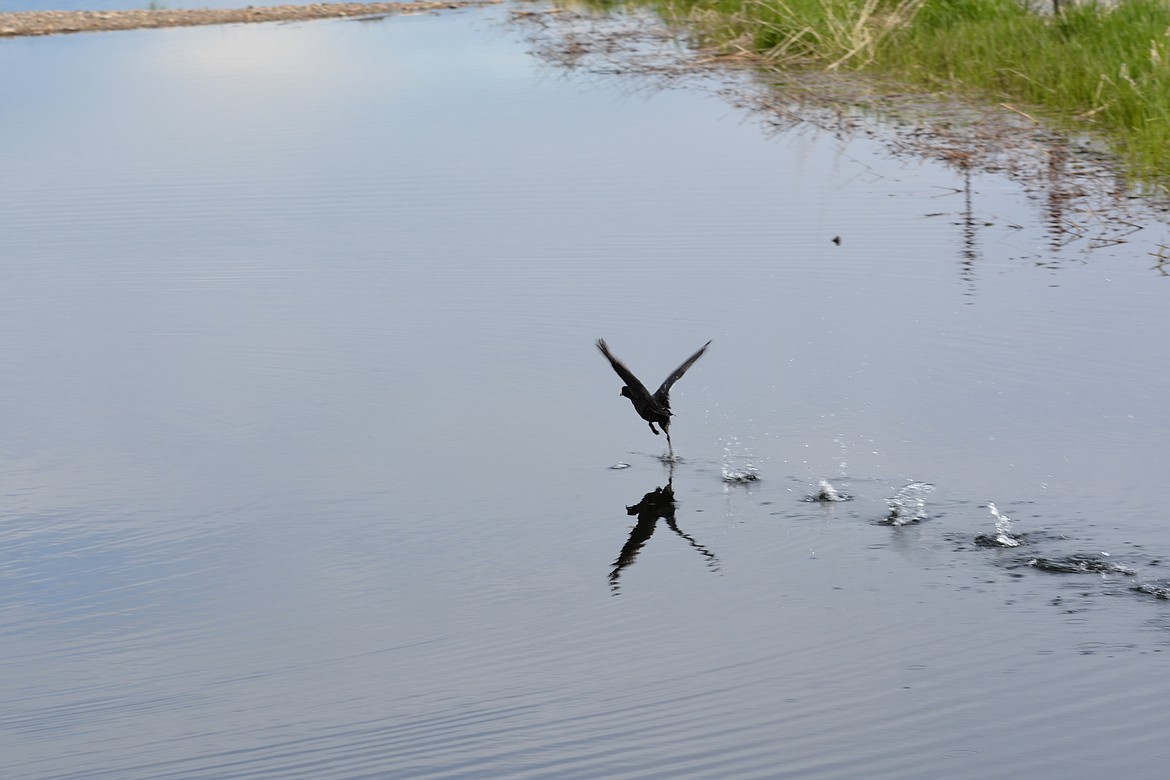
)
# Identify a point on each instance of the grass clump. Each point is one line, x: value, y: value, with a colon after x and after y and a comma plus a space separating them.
x: 796, y: 32
x: 1104, y: 67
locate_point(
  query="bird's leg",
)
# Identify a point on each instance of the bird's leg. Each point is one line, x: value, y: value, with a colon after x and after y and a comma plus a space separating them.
x: 670, y: 446
x: 656, y: 430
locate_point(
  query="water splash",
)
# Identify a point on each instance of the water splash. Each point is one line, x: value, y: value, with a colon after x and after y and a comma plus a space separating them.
x: 737, y: 469
x: 908, y: 504
x: 1003, y: 528
x: 826, y: 493
x: 1081, y: 562
x: 620, y: 465
x: 1159, y: 589
x: 740, y: 475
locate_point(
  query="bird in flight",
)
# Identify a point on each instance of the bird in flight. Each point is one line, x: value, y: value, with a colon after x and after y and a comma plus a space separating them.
x: 653, y: 408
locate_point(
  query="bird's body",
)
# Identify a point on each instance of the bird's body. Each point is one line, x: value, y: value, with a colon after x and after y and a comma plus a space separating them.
x: 654, y: 407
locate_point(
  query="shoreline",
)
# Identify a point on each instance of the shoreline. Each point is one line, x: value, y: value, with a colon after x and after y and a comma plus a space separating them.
x: 15, y: 24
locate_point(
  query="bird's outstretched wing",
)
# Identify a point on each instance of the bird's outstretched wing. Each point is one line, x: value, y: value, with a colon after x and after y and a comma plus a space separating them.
x: 632, y: 382
x: 663, y: 394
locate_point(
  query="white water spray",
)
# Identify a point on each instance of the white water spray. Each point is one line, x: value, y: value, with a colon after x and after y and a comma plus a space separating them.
x: 827, y: 493
x: 737, y: 467
x: 908, y: 504
x: 1003, y: 528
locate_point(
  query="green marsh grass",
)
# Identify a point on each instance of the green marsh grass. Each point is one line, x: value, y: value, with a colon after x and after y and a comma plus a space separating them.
x: 1096, y: 67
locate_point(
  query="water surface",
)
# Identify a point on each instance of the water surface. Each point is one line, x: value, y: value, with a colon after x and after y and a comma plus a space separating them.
x: 305, y: 447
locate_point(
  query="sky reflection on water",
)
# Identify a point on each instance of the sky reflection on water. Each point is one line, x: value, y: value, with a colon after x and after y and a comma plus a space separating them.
x: 305, y: 445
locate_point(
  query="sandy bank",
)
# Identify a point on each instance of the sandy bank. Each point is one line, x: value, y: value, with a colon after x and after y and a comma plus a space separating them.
x: 55, y: 22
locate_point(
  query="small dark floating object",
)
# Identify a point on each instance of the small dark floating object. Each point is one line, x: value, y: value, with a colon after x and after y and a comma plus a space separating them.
x: 837, y: 240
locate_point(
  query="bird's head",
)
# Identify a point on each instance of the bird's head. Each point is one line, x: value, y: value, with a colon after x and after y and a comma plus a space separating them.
x: 626, y: 392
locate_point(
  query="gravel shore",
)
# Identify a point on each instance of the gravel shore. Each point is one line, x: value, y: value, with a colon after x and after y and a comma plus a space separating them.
x: 20, y: 23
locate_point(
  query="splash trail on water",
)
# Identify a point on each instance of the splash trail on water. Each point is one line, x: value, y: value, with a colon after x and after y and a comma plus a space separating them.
x: 1003, y: 528
x: 737, y: 469
x: 908, y: 504
x: 827, y: 494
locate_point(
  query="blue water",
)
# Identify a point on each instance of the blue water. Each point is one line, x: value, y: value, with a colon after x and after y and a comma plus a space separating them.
x: 305, y: 446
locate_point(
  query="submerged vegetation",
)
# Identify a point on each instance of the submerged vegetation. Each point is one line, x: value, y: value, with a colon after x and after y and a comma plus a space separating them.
x: 1104, y: 68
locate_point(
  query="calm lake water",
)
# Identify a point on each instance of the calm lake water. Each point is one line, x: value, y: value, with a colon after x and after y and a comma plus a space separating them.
x: 305, y: 447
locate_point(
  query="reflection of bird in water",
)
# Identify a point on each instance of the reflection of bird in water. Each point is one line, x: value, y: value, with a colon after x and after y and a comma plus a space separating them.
x: 651, y: 408
x: 655, y: 505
